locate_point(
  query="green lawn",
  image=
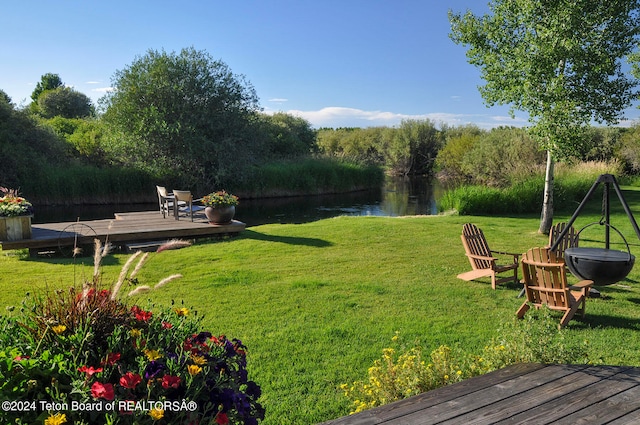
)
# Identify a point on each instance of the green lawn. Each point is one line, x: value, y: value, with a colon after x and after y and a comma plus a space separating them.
x: 316, y: 303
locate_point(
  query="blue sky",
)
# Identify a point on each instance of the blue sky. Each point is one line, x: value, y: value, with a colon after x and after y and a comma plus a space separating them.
x: 336, y: 63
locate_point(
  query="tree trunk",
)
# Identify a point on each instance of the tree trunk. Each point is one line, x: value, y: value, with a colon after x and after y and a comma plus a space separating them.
x: 546, y: 217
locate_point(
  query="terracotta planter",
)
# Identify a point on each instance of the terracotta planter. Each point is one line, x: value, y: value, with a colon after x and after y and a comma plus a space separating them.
x: 220, y: 215
x: 15, y: 228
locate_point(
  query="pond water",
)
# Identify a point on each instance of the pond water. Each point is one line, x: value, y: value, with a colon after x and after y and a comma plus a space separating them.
x: 397, y: 197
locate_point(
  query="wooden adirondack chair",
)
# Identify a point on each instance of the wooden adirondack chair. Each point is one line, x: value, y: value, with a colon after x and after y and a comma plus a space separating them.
x: 482, y: 259
x: 570, y: 240
x: 545, y: 283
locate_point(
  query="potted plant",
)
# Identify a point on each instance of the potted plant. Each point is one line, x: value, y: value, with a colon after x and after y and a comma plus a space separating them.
x: 15, y: 216
x: 220, y: 206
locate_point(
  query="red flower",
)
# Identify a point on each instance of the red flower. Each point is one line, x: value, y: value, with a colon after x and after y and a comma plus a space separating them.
x: 140, y: 314
x: 130, y: 380
x: 89, y: 370
x: 169, y: 381
x: 166, y: 325
x: 222, y: 418
x: 112, y: 358
x: 102, y: 390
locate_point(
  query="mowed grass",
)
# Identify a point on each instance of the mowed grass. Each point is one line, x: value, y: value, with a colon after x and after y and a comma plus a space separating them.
x: 317, y: 302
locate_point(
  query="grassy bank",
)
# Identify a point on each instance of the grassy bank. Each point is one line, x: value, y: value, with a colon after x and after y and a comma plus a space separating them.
x: 525, y: 195
x: 316, y: 303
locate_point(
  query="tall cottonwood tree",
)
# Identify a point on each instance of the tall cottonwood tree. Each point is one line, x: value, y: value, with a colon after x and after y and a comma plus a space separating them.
x: 558, y: 60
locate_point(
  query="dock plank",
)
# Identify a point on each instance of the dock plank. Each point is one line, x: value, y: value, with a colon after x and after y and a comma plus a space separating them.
x: 519, y: 394
x: 123, y: 228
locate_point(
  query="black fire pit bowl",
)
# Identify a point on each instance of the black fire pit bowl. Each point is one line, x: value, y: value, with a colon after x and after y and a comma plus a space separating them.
x: 603, y: 266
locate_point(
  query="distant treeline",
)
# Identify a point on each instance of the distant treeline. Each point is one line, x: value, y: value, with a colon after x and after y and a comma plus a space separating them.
x: 184, y: 120
x: 468, y: 155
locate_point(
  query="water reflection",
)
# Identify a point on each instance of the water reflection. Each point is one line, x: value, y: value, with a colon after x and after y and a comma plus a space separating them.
x: 398, y: 197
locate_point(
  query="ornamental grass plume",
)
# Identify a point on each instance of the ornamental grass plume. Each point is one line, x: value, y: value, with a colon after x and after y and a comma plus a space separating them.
x: 173, y: 244
x: 142, y: 289
x: 123, y: 274
x: 167, y: 280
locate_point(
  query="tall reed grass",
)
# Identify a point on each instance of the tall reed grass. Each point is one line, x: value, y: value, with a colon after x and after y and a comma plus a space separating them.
x: 525, y: 196
x: 311, y: 176
x: 84, y: 184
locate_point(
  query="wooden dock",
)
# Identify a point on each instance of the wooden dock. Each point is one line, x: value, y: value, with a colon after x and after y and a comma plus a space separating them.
x: 123, y: 229
x: 521, y: 394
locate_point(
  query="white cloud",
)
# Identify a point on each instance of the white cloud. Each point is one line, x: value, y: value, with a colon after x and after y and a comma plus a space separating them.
x: 103, y: 89
x: 335, y: 116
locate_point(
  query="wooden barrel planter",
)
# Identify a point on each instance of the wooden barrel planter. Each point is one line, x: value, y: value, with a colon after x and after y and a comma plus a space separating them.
x: 15, y: 228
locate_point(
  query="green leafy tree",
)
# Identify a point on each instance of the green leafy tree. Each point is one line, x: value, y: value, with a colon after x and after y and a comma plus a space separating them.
x: 359, y: 144
x: 4, y: 97
x: 560, y: 61
x: 502, y: 157
x: 183, y: 114
x: 628, y: 150
x: 411, y: 148
x: 26, y: 147
x: 48, y: 81
x: 64, y: 102
x: 288, y: 135
x: 459, y: 141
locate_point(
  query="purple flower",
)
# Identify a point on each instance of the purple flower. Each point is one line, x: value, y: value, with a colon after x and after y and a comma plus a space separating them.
x: 153, y: 369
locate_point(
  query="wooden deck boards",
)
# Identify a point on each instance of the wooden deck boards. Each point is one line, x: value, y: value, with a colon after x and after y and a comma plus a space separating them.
x: 521, y: 394
x: 124, y: 228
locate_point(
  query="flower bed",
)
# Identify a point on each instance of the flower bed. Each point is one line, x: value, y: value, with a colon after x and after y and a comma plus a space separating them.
x: 86, y: 357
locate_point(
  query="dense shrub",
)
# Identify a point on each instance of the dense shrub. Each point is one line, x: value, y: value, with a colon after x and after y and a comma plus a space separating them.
x: 449, y: 161
x: 411, y: 149
x: 352, y: 144
x: 402, y: 372
x: 25, y: 146
x: 502, y: 156
x: 628, y: 150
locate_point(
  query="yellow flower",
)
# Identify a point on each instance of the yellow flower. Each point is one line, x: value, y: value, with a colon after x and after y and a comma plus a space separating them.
x: 57, y: 419
x: 135, y: 333
x: 182, y: 311
x: 152, y: 354
x: 199, y: 360
x: 156, y: 414
x: 194, y: 369
x: 58, y: 329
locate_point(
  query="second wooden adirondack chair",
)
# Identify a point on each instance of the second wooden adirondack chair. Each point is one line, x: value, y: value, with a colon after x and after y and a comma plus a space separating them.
x: 545, y: 283
x: 570, y: 239
x: 482, y: 259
